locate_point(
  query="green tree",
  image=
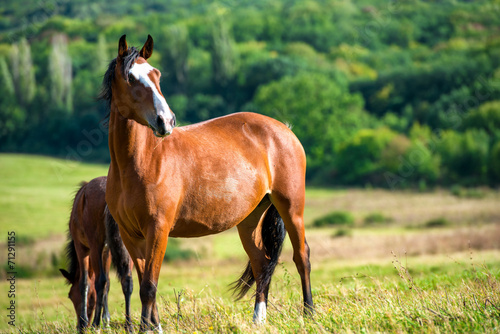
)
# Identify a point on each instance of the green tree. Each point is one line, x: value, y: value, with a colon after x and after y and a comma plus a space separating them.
x: 12, y: 117
x: 464, y: 156
x: 494, y: 163
x: 103, y: 55
x: 486, y: 117
x: 369, y: 154
x: 320, y: 109
x: 224, y: 55
x: 23, y: 73
x: 175, y: 56
x: 60, y: 72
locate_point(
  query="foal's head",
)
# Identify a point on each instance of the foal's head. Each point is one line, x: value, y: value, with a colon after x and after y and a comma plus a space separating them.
x: 73, y: 279
x: 135, y: 87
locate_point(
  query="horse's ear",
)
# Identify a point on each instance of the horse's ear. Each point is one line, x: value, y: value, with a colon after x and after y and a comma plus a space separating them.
x: 147, y: 49
x: 122, y: 46
x: 67, y: 275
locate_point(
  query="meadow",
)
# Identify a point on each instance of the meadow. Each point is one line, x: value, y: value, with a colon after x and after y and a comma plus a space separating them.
x: 431, y: 265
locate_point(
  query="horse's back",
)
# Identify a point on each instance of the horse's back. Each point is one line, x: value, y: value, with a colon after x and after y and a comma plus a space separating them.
x: 244, y: 131
x: 87, y: 217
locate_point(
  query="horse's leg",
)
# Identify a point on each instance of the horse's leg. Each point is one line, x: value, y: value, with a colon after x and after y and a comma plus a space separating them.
x: 156, y: 244
x: 106, y: 260
x: 122, y: 260
x: 250, y: 234
x: 136, y: 250
x: 127, y: 288
x: 291, y: 210
x: 155, y: 318
x: 258, y: 261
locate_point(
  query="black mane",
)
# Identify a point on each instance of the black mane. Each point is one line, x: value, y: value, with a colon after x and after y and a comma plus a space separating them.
x: 72, y: 258
x: 128, y: 60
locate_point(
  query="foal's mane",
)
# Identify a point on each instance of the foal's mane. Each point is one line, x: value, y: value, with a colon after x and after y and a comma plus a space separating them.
x: 70, y: 246
x: 128, y: 60
x: 72, y: 258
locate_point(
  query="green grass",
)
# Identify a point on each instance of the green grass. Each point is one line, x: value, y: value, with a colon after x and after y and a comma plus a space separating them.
x: 356, y: 287
x: 36, y: 193
x: 417, y: 294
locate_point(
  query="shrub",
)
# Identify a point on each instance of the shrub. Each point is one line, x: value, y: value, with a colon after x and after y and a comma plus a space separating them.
x: 175, y: 252
x: 342, y: 232
x: 464, y: 156
x: 376, y: 218
x: 494, y: 162
x: 437, y: 222
x: 462, y: 192
x: 335, y: 218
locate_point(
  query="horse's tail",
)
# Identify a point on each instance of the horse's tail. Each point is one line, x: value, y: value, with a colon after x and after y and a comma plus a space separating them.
x: 119, y: 254
x: 273, y: 234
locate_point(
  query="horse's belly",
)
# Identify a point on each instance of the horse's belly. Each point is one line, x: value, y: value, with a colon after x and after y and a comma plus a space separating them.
x: 218, y: 208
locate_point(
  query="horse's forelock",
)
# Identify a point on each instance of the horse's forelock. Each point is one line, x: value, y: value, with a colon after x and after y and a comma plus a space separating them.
x: 107, y: 81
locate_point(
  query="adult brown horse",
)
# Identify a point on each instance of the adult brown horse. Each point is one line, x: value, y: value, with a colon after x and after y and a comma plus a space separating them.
x: 92, y: 234
x: 243, y: 170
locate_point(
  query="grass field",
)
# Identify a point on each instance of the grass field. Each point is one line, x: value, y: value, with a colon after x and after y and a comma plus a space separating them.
x: 400, y: 276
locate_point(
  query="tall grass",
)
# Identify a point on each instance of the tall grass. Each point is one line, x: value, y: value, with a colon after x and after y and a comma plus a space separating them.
x: 415, y: 294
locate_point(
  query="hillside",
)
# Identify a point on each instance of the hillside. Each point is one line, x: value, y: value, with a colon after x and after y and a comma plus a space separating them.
x: 387, y: 94
x: 36, y: 193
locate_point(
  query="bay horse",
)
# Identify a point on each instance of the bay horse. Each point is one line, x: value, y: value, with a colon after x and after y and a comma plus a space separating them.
x: 245, y: 170
x: 92, y: 235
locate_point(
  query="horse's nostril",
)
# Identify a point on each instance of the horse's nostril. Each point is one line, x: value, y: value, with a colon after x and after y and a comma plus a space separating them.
x: 173, y: 121
x: 160, y: 121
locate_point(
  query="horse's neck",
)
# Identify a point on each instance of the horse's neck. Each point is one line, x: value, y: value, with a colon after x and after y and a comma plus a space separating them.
x: 129, y: 142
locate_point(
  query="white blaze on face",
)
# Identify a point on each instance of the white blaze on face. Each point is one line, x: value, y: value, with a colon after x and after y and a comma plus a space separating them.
x: 140, y: 72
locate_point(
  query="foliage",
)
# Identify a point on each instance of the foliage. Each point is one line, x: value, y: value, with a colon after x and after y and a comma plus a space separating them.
x: 321, y: 111
x: 437, y: 222
x: 342, y: 232
x: 464, y: 156
x: 376, y: 218
x: 332, y: 69
x: 335, y: 218
x: 370, y: 154
x: 175, y: 252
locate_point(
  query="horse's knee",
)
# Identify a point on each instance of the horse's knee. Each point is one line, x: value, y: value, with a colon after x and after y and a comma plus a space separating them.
x: 301, y: 260
x: 147, y: 292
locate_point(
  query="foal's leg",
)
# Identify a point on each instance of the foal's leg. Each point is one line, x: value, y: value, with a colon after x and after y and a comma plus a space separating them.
x: 291, y: 210
x: 83, y: 319
x: 100, y: 284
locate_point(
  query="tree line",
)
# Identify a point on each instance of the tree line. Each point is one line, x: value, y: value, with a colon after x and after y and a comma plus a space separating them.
x: 392, y: 94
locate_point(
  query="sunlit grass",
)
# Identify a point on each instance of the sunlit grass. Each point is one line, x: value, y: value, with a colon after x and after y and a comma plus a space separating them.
x: 437, y: 293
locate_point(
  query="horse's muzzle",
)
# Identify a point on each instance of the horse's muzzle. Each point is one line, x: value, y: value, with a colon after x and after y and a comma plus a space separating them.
x: 163, y: 128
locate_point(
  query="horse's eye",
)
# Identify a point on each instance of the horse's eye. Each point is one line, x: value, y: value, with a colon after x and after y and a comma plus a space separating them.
x: 131, y: 78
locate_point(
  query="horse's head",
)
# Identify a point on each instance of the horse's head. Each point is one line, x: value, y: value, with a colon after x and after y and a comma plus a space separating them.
x: 76, y: 296
x: 136, y: 89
